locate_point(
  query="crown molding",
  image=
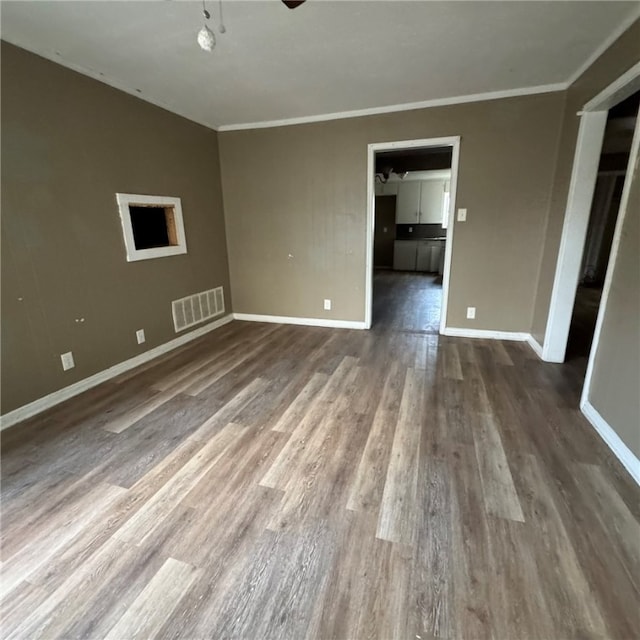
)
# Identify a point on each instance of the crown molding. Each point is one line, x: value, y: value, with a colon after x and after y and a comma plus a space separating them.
x: 393, y: 108
x: 339, y: 115
x: 613, y: 36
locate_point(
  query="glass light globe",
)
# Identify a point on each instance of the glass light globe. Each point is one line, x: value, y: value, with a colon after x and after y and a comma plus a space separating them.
x: 206, y: 39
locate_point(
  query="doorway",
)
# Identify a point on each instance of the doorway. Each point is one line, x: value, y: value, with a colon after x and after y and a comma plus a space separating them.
x: 410, y: 204
x: 591, y: 132
x: 605, y: 206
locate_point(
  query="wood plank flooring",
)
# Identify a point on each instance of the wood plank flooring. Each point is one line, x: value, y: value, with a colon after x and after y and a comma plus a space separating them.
x: 269, y: 481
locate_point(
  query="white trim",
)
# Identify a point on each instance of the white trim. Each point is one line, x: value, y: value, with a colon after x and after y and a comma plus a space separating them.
x: 576, y: 222
x: 613, y: 36
x: 486, y: 334
x: 535, y: 345
x: 621, y: 88
x: 450, y: 141
x: 448, y: 245
x: 408, y: 106
x: 632, y: 168
x: 52, y: 399
x: 125, y: 201
x: 612, y: 440
x: 583, y: 179
x: 393, y: 108
x: 307, y: 322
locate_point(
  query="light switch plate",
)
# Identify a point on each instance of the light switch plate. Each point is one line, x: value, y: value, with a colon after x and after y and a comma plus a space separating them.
x: 67, y: 361
x: 462, y: 215
x: 140, y: 336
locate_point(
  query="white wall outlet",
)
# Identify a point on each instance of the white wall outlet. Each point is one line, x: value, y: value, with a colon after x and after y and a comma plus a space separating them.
x: 384, y: 229
x: 327, y: 304
x: 471, y: 313
x: 410, y: 229
x: 67, y: 361
x: 140, y: 336
x: 462, y: 215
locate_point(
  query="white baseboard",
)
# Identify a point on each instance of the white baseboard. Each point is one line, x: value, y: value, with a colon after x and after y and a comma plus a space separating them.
x: 535, y: 345
x: 308, y: 322
x: 48, y: 401
x: 486, y: 334
x: 613, y: 441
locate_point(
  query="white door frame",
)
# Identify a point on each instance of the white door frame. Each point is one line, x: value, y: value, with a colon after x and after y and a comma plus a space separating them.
x: 454, y: 143
x: 632, y: 167
x: 581, y: 187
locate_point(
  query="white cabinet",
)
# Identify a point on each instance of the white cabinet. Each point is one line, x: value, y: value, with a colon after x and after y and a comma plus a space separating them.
x: 408, y: 202
x: 420, y: 202
x: 418, y: 255
x: 431, y: 201
x: 423, y: 261
x: 404, y: 255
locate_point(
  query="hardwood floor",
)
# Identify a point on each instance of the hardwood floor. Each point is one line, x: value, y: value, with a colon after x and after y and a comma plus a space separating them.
x: 405, y: 301
x: 271, y: 481
x: 583, y: 325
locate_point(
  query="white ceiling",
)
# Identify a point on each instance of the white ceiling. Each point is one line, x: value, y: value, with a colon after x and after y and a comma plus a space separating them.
x: 322, y: 58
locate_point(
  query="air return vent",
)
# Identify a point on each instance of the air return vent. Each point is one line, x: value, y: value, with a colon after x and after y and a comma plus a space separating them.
x: 197, y: 308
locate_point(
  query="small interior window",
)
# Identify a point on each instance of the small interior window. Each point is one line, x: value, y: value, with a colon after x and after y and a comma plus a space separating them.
x: 152, y: 226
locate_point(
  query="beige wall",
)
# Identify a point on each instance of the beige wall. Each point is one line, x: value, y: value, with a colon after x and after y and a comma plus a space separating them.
x: 295, y: 206
x: 615, y: 384
x: 69, y: 144
x: 622, y: 55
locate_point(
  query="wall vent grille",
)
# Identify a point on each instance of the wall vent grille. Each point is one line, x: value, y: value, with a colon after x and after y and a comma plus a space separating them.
x: 197, y: 308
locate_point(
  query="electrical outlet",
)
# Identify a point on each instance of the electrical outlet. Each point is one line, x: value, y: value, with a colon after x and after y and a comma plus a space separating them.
x: 327, y: 304
x: 462, y: 215
x: 471, y: 313
x: 67, y: 361
x: 140, y: 336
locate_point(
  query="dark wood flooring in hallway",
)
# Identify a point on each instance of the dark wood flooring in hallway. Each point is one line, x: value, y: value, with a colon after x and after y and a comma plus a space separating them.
x: 405, y: 301
x: 269, y: 481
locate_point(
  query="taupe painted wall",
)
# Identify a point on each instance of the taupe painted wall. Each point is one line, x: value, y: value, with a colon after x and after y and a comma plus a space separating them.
x: 69, y: 144
x: 295, y: 207
x: 622, y: 55
x: 616, y: 375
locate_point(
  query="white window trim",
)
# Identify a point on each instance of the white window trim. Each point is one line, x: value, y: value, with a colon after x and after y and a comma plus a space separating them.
x: 127, y: 199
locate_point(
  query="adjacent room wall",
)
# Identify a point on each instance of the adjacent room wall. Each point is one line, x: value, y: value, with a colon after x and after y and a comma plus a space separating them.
x: 622, y: 55
x: 295, y: 206
x: 616, y: 374
x: 69, y: 144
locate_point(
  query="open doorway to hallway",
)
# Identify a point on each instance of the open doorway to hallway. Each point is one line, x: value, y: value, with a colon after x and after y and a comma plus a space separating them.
x: 411, y: 215
x: 612, y: 168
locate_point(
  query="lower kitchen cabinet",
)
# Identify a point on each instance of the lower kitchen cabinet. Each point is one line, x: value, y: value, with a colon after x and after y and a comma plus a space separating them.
x: 404, y: 255
x: 418, y: 255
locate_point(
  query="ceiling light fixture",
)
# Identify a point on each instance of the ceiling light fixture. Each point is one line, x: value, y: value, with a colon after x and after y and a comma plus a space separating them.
x: 206, y: 39
x: 221, y: 27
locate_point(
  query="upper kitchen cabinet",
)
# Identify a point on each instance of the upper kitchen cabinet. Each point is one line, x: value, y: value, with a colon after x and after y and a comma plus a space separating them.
x: 423, y: 198
x: 408, y: 203
x: 432, y: 201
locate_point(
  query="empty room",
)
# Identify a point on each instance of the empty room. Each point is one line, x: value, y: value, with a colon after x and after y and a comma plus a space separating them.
x: 286, y: 304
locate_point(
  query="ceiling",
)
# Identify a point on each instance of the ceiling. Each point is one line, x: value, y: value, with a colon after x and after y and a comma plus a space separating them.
x: 325, y: 57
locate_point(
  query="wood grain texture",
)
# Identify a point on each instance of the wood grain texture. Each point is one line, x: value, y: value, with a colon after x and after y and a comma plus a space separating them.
x: 269, y: 481
x: 155, y: 604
